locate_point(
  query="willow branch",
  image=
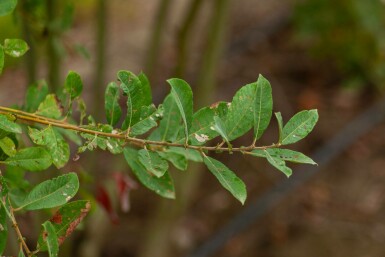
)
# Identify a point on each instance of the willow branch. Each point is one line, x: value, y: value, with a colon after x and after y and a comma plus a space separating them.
x: 28, y: 117
x: 15, y: 226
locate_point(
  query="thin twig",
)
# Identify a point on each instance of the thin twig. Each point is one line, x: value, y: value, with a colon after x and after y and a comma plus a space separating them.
x: 16, y: 228
x: 24, y: 116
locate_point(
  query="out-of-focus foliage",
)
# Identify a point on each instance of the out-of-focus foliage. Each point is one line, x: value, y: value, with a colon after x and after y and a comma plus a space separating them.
x: 349, y: 34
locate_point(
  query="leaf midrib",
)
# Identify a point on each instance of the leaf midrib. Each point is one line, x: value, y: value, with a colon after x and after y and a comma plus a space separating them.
x: 310, y: 117
x: 44, y: 197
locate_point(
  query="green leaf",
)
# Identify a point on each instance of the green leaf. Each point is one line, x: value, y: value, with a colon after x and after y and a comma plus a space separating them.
x: 149, y: 116
x: 15, y: 47
x: 50, y: 107
x: 183, y: 97
x: 219, y: 127
x: 153, y: 162
x: 9, y: 126
x: 278, y: 163
x: 50, y: 238
x: 202, y: 125
x: 169, y: 125
x: 21, y: 253
x: 285, y: 154
x: 57, y: 146
x: 3, y: 228
x: 31, y: 158
x: 1, y: 59
x: 299, y: 126
x: 8, y: 146
x: 189, y: 154
x: 111, y: 103
x: 73, y: 85
x: 15, y: 177
x: 240, y: 117
x: 138, y: 95
x: 93, y: 141
x: 7, y: 6
x: 65, y: 220
x: 36, y: 93
x: 178, y: 160
x: 280, y: 126
x: 51, y: 193
x: 263, y: 106
x: 227, y: 178
x: 70, y: 135
x: 163, y: 186
x: 146, y: 88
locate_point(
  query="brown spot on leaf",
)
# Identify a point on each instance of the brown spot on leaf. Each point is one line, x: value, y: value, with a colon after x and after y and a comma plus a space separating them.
x: 57, y: 218
x: 72, y: 226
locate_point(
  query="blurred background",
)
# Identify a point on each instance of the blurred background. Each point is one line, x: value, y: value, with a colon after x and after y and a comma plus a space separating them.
x: 322, y: 54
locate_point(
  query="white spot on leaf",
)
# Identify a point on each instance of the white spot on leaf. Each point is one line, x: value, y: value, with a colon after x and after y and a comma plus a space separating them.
x: 201, y: 138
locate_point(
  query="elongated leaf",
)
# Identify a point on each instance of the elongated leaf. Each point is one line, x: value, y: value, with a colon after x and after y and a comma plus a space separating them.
x: 149, y: 116
x: 9, y: 126
x: 31, y: 158
x: 111, y: 103
x: 299, y: 126
x: 138, y: 95
x: 183, y: 97
x: 169, y: 125
x: 163, y: 186
x: 50, y: 107
x: 3, y: 227
x: 146, y: 87
x: 189, y: 154
x: 227, y: 178
x: 65, y: 220
x: 219, y: 127
x: 73, y: 84
x: 178, y: 160
x: 263, y: 106
x: 202, y: 129
x: 52, y: 193
x: 57, y: 146
x: 15, y: 47
x: 7, y: 6
x: 285, y: 154
x: 1, y: 59
x: 153, y: 162
x: 70, y: 135
x: 8, y: 146
x: 36, y: 93
x: 240, y: 117
x: 50, y: 238
x: 278, y: 163
x: 280, y: 126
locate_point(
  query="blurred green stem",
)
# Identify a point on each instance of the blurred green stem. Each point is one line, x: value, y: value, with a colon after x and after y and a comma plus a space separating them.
x: 100, y: 64
x: 160, y: 22
x: 31, y: 54
x: 54, y: 60
x: 159, y: 240
x: 211, y: 54
x: 183, y: 38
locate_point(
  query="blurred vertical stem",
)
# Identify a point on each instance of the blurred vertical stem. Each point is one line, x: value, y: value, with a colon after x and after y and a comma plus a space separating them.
x: 159, y: 233
x: 54, y: 60
x: 183, y: 38
x: 97, y: 224
x: 99, y: 76
x: 160, y: 22
x: 31, y: 60
x: 211, y: 54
